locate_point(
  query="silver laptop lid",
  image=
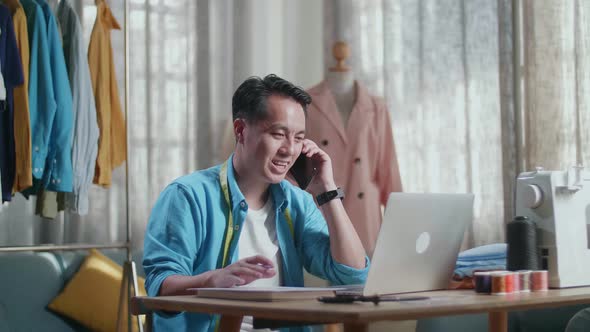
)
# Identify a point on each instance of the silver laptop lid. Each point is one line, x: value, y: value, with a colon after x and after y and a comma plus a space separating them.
x: 418, y: 242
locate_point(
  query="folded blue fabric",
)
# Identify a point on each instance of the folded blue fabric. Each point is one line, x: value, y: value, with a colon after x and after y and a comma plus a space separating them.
x: 483, y: 253
x: 468, y: 271
x: 483, y: 258
x: 481, y: 263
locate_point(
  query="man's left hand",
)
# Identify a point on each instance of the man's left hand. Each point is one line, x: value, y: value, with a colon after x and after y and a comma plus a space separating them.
x: 324, y: 179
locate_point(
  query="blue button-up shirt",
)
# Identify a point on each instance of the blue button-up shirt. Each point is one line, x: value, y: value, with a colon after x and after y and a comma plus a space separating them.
x: 42, y: 104
x: 85, y: 132
x: 185, y: 236
x: 58, y: 174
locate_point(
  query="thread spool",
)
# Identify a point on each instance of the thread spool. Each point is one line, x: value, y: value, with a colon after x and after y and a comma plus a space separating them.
x: 516, y: 286
x: 539, y: 281
x: 524, y: 277
x: 509, y: 282
x: 521, y: 236
x: 483, y: 282
x: 499, y: 286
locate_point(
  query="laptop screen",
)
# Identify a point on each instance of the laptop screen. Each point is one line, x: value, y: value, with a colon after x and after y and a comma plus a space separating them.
x: 418, y: 242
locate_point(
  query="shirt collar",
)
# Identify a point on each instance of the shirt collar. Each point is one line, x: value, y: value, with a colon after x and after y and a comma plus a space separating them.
x: 14, y: 6
x: 277, y: 191
x: 325, y: 98
x: 106, y: 15
x: 235, y: 194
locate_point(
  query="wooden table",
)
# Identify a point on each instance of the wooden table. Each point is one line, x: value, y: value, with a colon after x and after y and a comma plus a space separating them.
x: 357, y: 316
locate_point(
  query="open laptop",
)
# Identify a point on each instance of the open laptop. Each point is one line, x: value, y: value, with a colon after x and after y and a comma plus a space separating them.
x: 418, y: 243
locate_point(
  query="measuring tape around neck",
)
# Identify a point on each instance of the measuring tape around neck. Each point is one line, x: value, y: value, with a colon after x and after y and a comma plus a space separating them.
x: 229, y: 233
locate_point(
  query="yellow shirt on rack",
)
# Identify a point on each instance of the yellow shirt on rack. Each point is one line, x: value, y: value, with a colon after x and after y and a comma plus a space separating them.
x: 112, y: 144
x: 22, y: 126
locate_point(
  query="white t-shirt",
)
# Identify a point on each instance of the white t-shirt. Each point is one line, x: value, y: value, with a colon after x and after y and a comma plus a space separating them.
x: 259, y: 237
x: 2, y: 89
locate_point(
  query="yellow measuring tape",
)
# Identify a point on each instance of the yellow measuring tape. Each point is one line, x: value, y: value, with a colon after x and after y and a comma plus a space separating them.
x: 229, y: 234
x: 230, y: 220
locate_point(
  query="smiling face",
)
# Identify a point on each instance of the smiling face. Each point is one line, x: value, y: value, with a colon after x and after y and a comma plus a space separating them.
x: 269, y: 147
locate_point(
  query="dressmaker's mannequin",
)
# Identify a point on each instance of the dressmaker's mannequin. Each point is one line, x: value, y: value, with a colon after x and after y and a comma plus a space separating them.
x: 340, y: 80
x: 354, y: 128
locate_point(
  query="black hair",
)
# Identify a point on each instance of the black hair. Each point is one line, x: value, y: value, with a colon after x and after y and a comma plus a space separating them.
x: 249, y: 100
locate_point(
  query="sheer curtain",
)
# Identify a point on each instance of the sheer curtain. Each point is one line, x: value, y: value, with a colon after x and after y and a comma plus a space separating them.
x: 556, y: 115
x: 161, y: 126
x: 179, y: 74
x: 186, y: 59
x: 446, y: 70
x: 169, y: 64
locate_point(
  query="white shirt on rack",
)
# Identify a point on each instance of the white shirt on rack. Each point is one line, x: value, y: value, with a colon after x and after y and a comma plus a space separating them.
x: 259, y: 237
x: 2, y: 87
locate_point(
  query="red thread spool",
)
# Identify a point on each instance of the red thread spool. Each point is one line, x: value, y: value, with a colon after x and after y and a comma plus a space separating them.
x: 499, y: 283
x: 539, y: 281
x: 509, y: 282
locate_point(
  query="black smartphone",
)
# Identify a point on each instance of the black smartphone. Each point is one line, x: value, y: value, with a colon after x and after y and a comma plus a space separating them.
x: 350, y: 298
x: 302, y: 171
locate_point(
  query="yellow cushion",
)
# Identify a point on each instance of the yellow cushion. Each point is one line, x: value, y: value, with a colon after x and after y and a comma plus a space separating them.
x: 91, y: 297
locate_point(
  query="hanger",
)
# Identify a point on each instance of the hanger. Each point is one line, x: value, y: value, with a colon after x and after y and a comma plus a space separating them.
x: 341, y: 52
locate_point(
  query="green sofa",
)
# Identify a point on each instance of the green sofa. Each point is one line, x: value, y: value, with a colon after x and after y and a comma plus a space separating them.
x: 29, y: 281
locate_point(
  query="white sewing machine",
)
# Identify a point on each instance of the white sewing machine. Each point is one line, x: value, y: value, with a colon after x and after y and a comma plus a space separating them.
x: 559, y: 203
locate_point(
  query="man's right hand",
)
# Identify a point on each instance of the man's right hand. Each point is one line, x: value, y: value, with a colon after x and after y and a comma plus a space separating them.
x: 242, y: 272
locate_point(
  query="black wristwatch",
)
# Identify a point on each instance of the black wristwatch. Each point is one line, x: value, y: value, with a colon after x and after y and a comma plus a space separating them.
x: 324, y: 198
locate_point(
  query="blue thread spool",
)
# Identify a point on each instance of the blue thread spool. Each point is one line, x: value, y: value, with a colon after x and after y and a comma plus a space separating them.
x: 483, y: 282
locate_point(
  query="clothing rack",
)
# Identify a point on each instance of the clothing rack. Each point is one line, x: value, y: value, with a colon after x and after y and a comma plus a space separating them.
x: 65, y: 247
x: 129, y: 280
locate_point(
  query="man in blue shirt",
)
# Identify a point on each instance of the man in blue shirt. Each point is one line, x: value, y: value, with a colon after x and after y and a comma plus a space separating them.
x: 198, y: 222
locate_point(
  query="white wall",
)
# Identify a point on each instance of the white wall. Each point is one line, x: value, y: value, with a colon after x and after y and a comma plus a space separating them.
x: 283, y: 37
x: 303, y: 36
x: 279, y: 36
x: 269, y: 36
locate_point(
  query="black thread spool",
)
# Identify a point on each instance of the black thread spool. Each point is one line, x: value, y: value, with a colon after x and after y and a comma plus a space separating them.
x: 522, y: 245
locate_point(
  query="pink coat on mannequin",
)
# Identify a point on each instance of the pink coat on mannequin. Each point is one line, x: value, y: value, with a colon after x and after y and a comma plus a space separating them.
x: 363, y: 155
